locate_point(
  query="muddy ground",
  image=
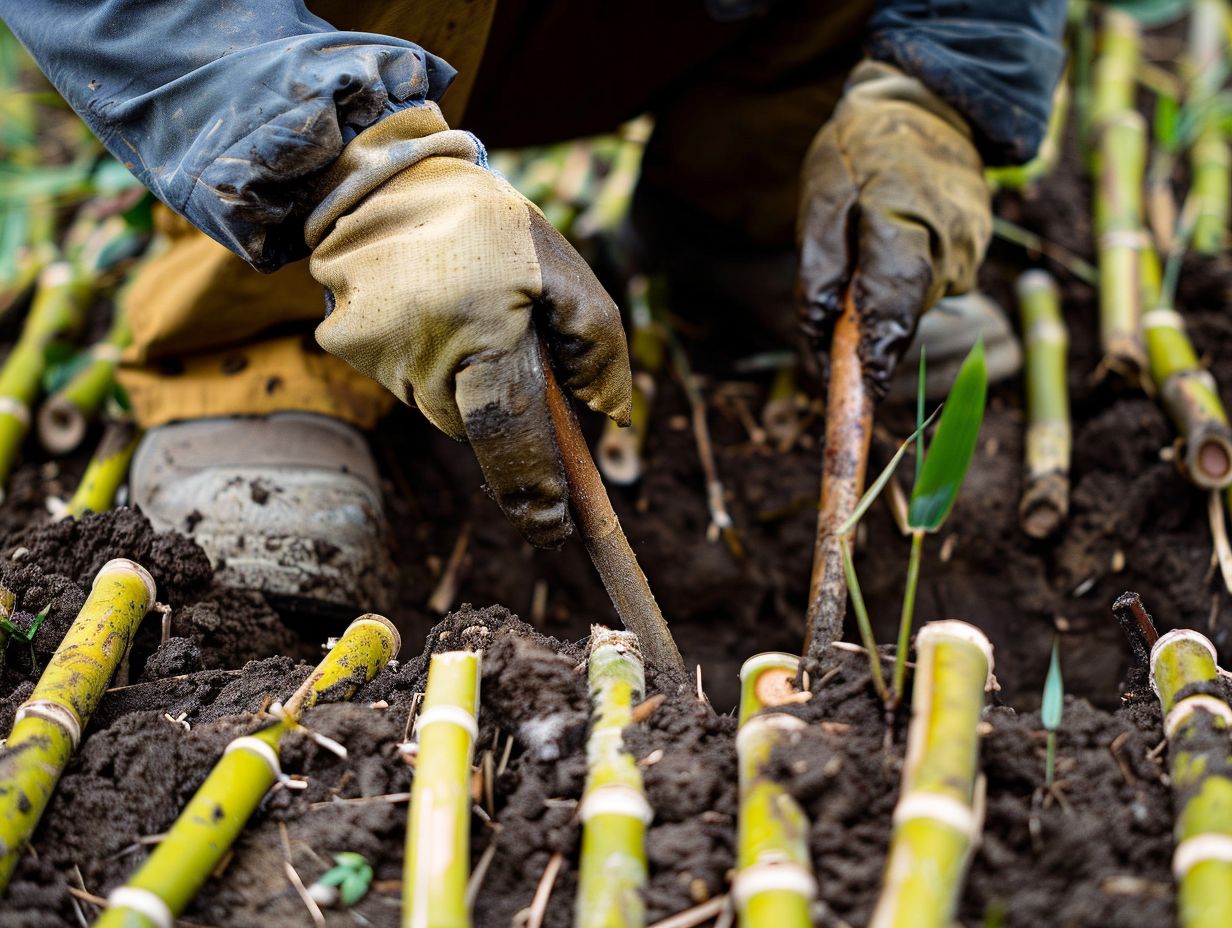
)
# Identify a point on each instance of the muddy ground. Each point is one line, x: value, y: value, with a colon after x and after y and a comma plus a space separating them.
x: 1099, y: 858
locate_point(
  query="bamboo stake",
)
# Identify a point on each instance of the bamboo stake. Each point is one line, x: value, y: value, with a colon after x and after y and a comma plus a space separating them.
x: 849, y: 429
x: 1187, y: 390
x: 774, y: 884
x: 1197, y: 723
x: 935, y: 819
x: 48, y: 726
x: 437, y: 861
x: 614, y: 810
x: 1121, y: 161
x: 106, y: 471
x: 1045, y: 495
x: 63, y: 418
x: 605, y: 541
x: 174, y: 873
x: 1209, y: 158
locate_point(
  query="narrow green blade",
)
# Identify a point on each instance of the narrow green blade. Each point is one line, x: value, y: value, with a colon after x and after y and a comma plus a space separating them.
x: 1054, y: 692
x: 953, y: 445
x: 871, y: 494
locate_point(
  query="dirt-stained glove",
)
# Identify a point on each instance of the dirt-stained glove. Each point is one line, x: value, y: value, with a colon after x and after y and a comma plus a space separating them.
x: 894, y: 202
x: 432, y: 273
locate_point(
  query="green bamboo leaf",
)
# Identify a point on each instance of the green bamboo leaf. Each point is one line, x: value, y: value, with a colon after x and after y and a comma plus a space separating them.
x: 871, y: 494
x: 952, y: 446
x: 1153, y: 12
x: 1054, y: 693
x: 354, y: 886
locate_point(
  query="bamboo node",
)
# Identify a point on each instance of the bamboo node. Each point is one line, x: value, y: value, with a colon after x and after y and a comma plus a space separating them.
x: 753, y: 728
x: 1187, y: 707
x: 937, y: 807
x: 1137, y: 239
x: 615, y: 799
x: 772, y: 874
x: 143, y: 902
x: 106, y: 351
x: 54, y: 712
x: 1200, y: 849
x: 1163, y: 317
x: 258, y: 747
x: 11, y: 406
x: 452, y: 715
x: 125, y: 566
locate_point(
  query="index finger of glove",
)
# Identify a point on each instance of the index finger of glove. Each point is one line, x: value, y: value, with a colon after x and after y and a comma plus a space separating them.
x: 824, y: 231
x: 503, y: 403
x: 587, y: 338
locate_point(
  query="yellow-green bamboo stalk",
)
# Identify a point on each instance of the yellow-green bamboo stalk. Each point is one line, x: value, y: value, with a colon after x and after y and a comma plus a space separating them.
x: 63, y: 418
x: 614, y: 810
x: 58, y: 309
x: 1019, y: 177
x: 1197, y: 724
x: 19, y: 275
x: 173, y: 874
x: 1187, y: 390
x: 48, y: 725
x: 106, y: 470
x: 935, y: 822
x: 437, y: 862
x: 620, y: 449
x: 611, y: 203
x: 1209, y: 158
x: 1120, y: 166
x: 774, y: 883
x: 1045, y: 493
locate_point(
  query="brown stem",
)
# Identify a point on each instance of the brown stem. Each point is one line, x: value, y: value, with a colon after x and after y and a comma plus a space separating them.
x: 1137, y: 624
x: 849, y: 428
x: 605, y: 540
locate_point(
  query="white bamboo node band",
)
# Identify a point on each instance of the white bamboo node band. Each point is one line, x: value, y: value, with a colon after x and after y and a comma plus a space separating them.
x: 1199, y: 849
x: 1047, y: 330
x: 105, y: 351
x: 11, y: 406
x: 122, y: 565
x: 780, y: 721
x: 616, y: 800
x: 1035, y: 280
x: 1124, y: 238
x: 1178, y: 634
x: 1162, y: 317
x: 773, y: 876
x: 451, y: 715
x: 143, y: 902
x: 50, y: 711
x: 260, y: 748
x: 945, y: 810
x: 1188, y: 706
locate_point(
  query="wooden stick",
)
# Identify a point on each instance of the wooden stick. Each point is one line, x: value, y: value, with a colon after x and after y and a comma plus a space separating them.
x: 605, y: 540
x: 849, y: 428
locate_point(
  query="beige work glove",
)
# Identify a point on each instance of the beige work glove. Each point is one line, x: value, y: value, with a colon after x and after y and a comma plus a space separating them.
x: 433, y: 272
x: 893, y: 203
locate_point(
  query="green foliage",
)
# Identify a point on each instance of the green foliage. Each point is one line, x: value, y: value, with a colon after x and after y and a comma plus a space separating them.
x: 949, y: 455
x: 351, y: 874
x: 1054, y: 693
x: 1153, y: 12
x: 874, y: 490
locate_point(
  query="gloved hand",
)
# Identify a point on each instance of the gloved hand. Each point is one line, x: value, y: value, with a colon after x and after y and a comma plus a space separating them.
x: 894, y: 202
x: 433, y: 271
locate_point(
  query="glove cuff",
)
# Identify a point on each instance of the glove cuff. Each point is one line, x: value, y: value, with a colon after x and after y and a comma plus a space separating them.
x: 872, y: 82
x: 381, y: 152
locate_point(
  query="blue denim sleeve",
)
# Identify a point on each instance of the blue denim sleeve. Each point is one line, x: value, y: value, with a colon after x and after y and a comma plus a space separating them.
x: 995, y: 61
x: 225, y: 110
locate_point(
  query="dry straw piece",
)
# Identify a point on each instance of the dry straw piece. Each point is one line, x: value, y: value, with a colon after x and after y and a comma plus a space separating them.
x: 936, y: 822
x: 48, y: 726
x: 1197, y: 723
x: 175, y: 872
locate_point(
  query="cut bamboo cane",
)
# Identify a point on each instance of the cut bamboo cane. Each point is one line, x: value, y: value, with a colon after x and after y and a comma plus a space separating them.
x: 437, y: 863
x: 849, y: 429
x: 936, y: 820
x: 63, y: 418
x: 774, y: 883
x: 620, y: 449
x: 1197, y: 724
x: 48, y: 726
x: 1120, y: 166
x: 174, y: 873
x: 778, y: 416
x: 18, y: 276
x: 1209, y: 158
x: 1187, y: 390
x: 58, y: 308
x: 106, y: 471
x: 605, y: 540
x: 614, y: 810
x: 1045, y: 494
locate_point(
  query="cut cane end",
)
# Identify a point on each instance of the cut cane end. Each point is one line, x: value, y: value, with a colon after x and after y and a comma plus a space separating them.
x: 955, y: 630
x: 61, y: 426
x: 124, y: 565
x: 396, y: 639
x: 1044, y: 506
x: 1208, y: 461
x: 618, y: 458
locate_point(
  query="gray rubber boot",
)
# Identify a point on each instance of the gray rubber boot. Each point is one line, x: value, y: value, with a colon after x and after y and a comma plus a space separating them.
x: 948, y: 331
x: 288, y: 504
